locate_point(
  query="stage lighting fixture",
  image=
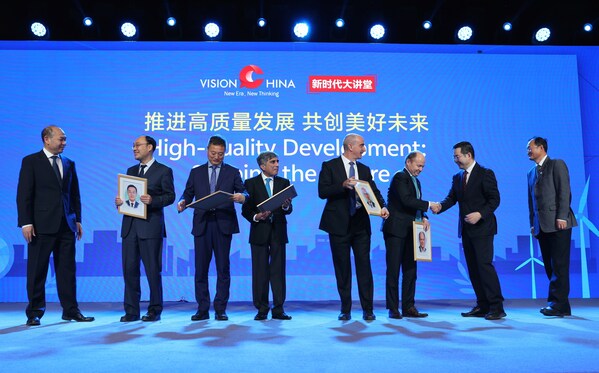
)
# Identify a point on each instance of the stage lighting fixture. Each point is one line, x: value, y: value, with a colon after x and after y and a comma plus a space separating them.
x: 465, y: 33
x: 39, y: 30
x: 88, y: 21
x: 542, y: 35
x: 261, y: 22
x: 128, y: 30
x: 339, y: 22
x: 507, y: 26
x: 587, y: 27
x: 301, y: 30
x: 212, y: 30
x: 427, y: 25
x: 171, y: 21
x: 377, y: 32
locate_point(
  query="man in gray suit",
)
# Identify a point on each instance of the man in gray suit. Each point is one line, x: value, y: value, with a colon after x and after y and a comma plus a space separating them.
x: 551, y: 222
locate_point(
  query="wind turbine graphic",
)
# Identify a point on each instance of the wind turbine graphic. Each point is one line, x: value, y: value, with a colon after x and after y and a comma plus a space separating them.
x: 584, y: 221
x: 532, y: 260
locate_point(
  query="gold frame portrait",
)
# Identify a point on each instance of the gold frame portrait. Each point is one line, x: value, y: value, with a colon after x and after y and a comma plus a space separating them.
x: 421, y: 255
x: 367, y: 198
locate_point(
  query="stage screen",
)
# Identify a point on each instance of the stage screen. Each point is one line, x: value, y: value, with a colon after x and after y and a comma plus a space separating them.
x: 298, y: 102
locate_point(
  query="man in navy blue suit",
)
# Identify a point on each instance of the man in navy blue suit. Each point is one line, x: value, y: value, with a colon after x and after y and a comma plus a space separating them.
x: 142, y: 238
x: 348, y: 224
x: 406, y: 206
x: 213, y: 229
x: 49, y: 209
x: 268, y: 237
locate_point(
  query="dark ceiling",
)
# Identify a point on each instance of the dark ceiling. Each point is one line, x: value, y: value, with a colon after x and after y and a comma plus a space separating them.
x: 402, y: 19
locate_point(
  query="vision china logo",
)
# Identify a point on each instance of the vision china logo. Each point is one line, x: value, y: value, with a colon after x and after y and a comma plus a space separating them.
x: 246, y: 77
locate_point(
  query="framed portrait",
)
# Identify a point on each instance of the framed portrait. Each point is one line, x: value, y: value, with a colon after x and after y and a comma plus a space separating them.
x: 367, y: 198
x: 422, y: 243
x: 130, y: 189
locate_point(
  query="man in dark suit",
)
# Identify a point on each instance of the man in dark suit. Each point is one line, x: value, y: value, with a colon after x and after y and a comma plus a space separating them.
x: 422, y: 242
x: 475, y: 190
x: 132, y: 194
x: 551, y: 222
x: 142, y: 238
x: 405, y: 206
x: 348, y: 224
x: 49, y: 209
x: 213, y: 229
x: 268, y: 237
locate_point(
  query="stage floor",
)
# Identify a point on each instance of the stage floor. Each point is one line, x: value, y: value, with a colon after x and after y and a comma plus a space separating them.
x: 314, y: 341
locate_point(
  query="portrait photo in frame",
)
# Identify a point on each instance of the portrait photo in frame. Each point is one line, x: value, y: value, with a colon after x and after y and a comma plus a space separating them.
x: 130, y: 189
x: 367, y: 198
x: 422, y: 243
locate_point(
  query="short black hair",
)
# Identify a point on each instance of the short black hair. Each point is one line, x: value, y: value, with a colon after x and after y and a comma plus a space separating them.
x: 539, y: 141
x: 150, y: 140
x: 217, y: 141
x: 132, y: 186
x: 465, y: 148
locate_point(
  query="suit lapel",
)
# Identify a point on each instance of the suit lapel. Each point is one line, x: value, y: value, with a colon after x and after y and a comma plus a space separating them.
x: 474, y: 175
x: 277, y: 185
x: 66, y: 169
x: 413, y: 188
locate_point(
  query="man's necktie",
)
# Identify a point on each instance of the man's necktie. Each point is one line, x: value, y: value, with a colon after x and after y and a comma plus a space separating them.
x: 418, y: 212
x: 56, y: 169
x: 352, y: 193
x: 268, y: 190
x: 213, y: 179
x: 142, y: 169
x: 464, y: 180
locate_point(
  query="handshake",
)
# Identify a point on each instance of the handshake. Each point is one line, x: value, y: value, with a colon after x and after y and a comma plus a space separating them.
x: 435, y: 207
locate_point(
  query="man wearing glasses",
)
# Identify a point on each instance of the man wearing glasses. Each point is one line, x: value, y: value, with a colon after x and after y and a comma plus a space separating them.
x: 475, y: 190
x: 142, y: 238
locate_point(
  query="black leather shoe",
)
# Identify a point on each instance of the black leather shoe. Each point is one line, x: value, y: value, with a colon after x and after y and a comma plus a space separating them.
x: 221, y: 316
x: 550, y: 311
x: 128, y: 317
x: 476, y: 311
x: 261, y: 316
x: 33, y: 321
x: 368, y: 316
x: 413, y: 312
x: 200, y: 316
x: 77, y: 317
x: 150, y: 316
x: 281, y: 316
x: 497, y: 315
x: 344, y: 316
x: 394, y: 314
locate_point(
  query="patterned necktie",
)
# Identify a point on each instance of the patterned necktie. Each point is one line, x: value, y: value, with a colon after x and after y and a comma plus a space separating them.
x: 142, y: 170
x: 213, y: 179
x: 352, y: 193
x: 56, y: 169
x: 464, y: 180
x: 268, y: 189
